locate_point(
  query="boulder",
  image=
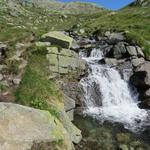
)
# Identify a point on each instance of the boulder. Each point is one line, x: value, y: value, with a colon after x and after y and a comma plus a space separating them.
x: 115, y: 37
x: 119, y: 50
x: 131, y: 50
x: 110, y: 61
x: 21, y: 126
x: 58, y: 38
x: 69, y: 105
x: 65, y: 62
x: 141, y: 77
x: 139, y: 52
x: 137, y: 61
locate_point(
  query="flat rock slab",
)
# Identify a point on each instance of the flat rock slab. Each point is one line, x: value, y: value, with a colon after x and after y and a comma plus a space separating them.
x: 58, y: 38
x: 20, y: 126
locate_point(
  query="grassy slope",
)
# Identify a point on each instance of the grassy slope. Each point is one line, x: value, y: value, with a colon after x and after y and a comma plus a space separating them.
x: 134, y: 20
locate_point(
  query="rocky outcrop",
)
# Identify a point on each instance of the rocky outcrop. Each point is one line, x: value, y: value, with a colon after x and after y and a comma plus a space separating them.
x: 58, y: 38
x: 22, y: 126
x: 65, y: 62
x: 141, y: 3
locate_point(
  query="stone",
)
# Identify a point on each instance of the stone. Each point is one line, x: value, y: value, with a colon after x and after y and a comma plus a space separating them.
x: 1, y: 77
x: 138, y: 61
x: 131, y: 50
x: 69, y: 105
x: 147, y: 93
x: 73, y: 131
x: 110, y: 61
x: 42, y: 44
x: 21, y: 126
x: 123, y: 147
x: 57, y: 38
x: 116, y: 37
x: 141, y: 77
x: 119, y: 50
x: 123, y: 138
x: 65, y: 62
x: 140, y: 52
x: 3, y: 49
x: 17, y: 81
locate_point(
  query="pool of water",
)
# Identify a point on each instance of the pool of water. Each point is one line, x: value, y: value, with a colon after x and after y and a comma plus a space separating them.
x: 108, y: 136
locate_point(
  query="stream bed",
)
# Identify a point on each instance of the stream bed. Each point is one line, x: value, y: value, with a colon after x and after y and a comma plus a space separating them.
x: 108, y: 136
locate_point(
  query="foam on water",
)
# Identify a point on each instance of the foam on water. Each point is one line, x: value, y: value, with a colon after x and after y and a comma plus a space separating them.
x: 118, y: 102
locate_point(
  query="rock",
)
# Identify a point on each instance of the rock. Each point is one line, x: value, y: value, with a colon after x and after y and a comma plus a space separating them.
x: 138, y: 61
x: 119, y: 50
x: 1, y: 77
x: 131, y: 50
x: 58, y: 38
x: 141, y: 77
x: 17, y: 81
x: 3, y: 49
x: 69, y: 104
x: 123, y: 147
x: 21, y: 126
x: 139, y: 52
x: 110, y: 61
x: 82, y: 31
x: 65, y: 62
x: 73, y: 131
x: 147, y: 93
x: 123, y: 138
x: 115, y: 37
x: 42, y: 44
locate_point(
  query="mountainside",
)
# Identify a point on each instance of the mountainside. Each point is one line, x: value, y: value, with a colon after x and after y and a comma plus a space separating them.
x: 40, y: 67
x: 141, y: 3
x: 55, y: 6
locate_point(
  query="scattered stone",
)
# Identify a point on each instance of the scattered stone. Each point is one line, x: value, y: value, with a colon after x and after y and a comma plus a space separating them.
x: 42, y: 44
x: 1, y: 77
x: 140, y: 52
x: 58, y: 38
x: 138, y: 61
x: 123, y: 147
x: 131, y: 50
x: 16, y: 81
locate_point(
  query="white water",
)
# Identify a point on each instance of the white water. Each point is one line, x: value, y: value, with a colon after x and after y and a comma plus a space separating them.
x: 108, y: 96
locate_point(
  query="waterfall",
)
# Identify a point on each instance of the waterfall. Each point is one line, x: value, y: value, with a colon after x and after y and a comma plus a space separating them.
x: 108, y: 97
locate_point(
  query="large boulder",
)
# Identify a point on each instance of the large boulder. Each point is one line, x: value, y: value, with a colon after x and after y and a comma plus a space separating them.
x: 65, y: 62
x: 141, y: 77
x: 21, y: 127
x: 58, y: 38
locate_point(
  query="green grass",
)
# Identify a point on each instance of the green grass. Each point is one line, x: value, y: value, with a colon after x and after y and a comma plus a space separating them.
x: 134, y: 20
x: 36, y: 90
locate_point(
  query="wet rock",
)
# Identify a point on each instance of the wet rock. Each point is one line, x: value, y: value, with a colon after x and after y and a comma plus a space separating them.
x: 137, y: 61
x: 147, y: 93
x: 141, y: 77
x: 58, y: 38
x: 131, y: 50
x: 110, y: 61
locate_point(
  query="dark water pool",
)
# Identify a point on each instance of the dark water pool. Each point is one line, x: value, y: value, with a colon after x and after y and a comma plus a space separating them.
x: 108, y: 136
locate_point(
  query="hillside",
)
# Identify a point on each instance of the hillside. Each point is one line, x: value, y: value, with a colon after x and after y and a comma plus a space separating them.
x: 40, y: 67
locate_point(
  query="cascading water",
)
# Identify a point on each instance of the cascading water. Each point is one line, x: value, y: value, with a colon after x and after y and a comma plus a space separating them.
x: 109, y: 97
